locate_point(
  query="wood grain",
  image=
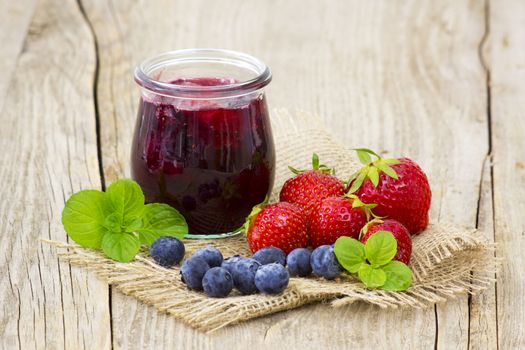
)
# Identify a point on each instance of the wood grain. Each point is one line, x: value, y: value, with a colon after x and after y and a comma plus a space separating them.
x: 14, y: 22
x: 48, y: 143
x: 483, y: 312
x: 505, y: 56
x: 403, y: 77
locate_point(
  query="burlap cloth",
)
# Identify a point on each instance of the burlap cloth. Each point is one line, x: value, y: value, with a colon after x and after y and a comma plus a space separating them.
x: 446, y: 261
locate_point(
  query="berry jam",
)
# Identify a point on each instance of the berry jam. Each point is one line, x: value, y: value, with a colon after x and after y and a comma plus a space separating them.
x: 211, y: 160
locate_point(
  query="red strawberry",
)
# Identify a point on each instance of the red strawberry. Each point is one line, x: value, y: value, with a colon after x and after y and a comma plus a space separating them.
x: 398, y: 186
x: 281, y: 225
x: 338, y: 216
x: 308, y: 188
x: 400, y: 232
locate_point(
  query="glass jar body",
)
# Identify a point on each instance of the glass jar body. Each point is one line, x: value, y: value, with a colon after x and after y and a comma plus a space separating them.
x: 212, y: 158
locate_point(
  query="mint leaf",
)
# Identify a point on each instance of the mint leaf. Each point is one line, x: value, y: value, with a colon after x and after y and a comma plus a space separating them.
x: 83, y: 218
x: 371, y: 277
x: 380, y: 248
x: 109, y: 220
x: 125, y: 198
x: 121, y: 246
x: 134, y: 225
x: 350, y: 253
x: 113, y: 222
x: 161, y: 220
x: 398, y: 276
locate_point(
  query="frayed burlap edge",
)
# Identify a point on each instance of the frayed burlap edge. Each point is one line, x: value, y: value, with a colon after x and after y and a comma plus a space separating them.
x: 462, y: 264
x: 447, y: 261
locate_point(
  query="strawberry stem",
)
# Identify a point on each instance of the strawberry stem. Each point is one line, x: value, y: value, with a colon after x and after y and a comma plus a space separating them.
x: 364, y: 230
x: 357, y: 203
x: 315, y: 166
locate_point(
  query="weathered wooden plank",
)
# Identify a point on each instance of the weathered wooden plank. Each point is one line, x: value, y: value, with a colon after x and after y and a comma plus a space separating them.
x: 14, y: 22
x: 425, y: 97
x: 403, y: 77
x: 48, y: 143
x: 483, y: 316
x: 505, y: 55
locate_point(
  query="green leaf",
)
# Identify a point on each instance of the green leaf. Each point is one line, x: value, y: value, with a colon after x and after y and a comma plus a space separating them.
x: 373, y: 175
x: 120, y: 246
x: 371, y: 277
x: 294, y: 170
x: 366, y: 151
x: 380, y: 248
x: 161, y: 220
x: 125, y: 198
x: 398, y: 276
x: 134, y: 225
x: 357, y: 203
x: 113, y: 222
x: 315, y: 161
x: 350, y: 253
x: 364, y: 157
x: 83, y: 218
x: 386, y: 169
x: 359, y: 181
x: 391, y: 161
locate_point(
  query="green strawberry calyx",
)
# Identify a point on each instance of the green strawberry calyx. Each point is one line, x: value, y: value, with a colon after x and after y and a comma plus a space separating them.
x: 357, y: 203
x: 372, y: 169
x: 255, y: 211
x: 315, y: 166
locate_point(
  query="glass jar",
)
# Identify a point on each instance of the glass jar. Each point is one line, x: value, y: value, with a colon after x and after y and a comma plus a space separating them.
x: 202, y: 141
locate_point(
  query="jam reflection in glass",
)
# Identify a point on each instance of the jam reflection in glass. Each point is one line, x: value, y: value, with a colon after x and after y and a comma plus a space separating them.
x: 213, y: 160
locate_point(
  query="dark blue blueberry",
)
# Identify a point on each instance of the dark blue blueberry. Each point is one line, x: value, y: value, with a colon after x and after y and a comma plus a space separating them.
x: 192, y: 272
x: 229, y: 262
x: 211, y: 254
x: 299, y: 262
x: 217, y: 282
x: 271, y: 278
x: 167, y: 251
x: 243, y: 273
x: 324, y: 263
x: 270, y: 255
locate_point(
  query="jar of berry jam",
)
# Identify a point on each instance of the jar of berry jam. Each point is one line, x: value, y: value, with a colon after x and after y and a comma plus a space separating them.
x: 202, y: 141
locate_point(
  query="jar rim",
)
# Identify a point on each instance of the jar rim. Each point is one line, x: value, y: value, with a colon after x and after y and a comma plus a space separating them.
x: 262, y: 78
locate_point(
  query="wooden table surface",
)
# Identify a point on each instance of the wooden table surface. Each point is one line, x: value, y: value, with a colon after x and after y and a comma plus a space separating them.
x: 441, y: 81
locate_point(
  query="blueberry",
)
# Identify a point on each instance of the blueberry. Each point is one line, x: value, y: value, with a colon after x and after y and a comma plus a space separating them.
x: 192, y: 272
x: 167, y: 251
x: 217, y: 282
x: 243, y: 273
x: 299, y: 262
x: 229, y: 262
x: 272, y: 278
x: 270, y: 255
x: 211, y: 254
x: 324, y: 263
